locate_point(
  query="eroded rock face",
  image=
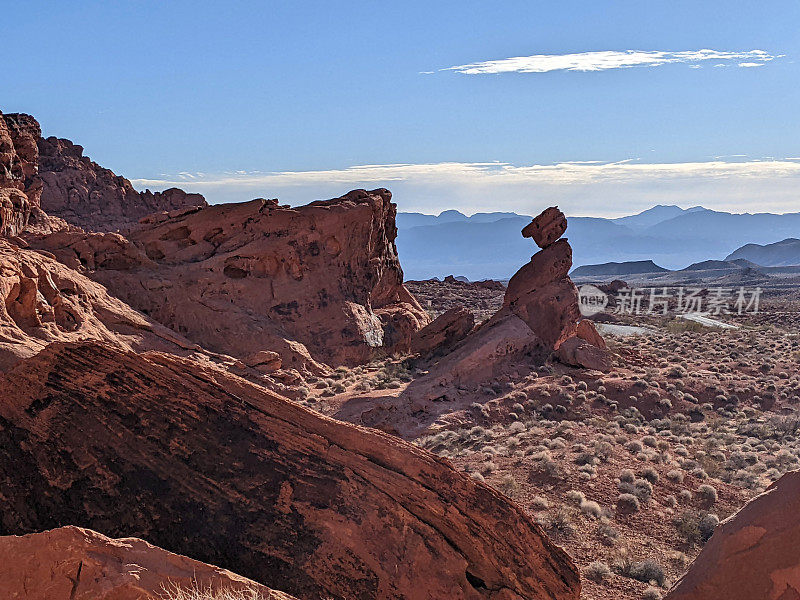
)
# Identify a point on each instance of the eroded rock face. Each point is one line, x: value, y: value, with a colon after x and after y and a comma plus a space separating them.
x: 205, y: 464
x: 20, y: 186
x: 321, y: 281
x: 43, y: 301
x: 753, y: 554
x: 85, y: 194
x: 70, y: 563
x: 448, y: 328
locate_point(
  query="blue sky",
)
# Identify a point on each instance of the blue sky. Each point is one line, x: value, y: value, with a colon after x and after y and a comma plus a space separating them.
x: 292, y: 99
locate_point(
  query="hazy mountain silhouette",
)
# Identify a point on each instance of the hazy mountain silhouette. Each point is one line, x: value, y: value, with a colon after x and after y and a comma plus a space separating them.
x: 488, y: 245
x: 780, y: 254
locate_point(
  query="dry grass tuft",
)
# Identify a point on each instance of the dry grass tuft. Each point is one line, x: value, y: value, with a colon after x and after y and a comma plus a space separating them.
x: 175, y: 592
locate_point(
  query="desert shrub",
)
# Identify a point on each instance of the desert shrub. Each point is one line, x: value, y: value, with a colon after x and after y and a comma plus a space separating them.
x: 508, y: 486
x: 607, y: 534
x: 627, y: 503
x: 627, y: 476
x: 652, y: 593
x: 646, y: 571
x: 708, y: 493
x: 540, y: 503
x: 591, y: 508
x: 696, y: 528
x: 650, y: 474
x: 597, y: 571
x: 560, y: 523
x: 675, y: 475
x: 575, y: 496
x: 642, y: 489
x: 634, y: 446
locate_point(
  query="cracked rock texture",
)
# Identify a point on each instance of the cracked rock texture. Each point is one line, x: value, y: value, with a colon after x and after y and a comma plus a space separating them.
x: 205, y: 464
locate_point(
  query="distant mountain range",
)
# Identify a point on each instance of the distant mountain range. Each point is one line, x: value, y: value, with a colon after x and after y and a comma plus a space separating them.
x: 489, y: 245
x: 780, y: 254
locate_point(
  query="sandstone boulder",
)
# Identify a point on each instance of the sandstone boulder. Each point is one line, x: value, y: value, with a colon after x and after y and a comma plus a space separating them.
x: 448, y: 328
x: 546, y: 228
x: 205, y: 464
x: 578, y: 352
x: 70, y: 563
x: 753, y: 554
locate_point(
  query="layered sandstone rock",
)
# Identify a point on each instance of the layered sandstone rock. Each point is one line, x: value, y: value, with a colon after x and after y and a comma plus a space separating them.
x: 753, y: 554
x: 321, y: 281
x: 71, y: 563
x: 85, y: 194
x: 448, y: 328
x: 43, y: 301
x: 207, y: 465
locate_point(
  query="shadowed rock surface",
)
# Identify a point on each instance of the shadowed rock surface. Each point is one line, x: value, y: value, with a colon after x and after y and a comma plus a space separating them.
x: 753, y: 554
x: 207, y: 465
x: 71, y: 563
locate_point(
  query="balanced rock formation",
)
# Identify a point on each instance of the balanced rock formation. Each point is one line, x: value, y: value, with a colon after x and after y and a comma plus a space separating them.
x: 753, y: 554
x: 445, y: 330
x: 205, y: 464
x: 542, y: 294
x: 317, y: 282
x: 71, y: 563
x: 43, y: 301
x: 85, y: 194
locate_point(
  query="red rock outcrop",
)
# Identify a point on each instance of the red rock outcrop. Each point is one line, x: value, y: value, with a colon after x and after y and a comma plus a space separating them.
x: 753, y: 554
x: 20, y: 186
x: 445, y: 330
x: 71, y: 563
x: 321, y: 280
x: 205, y: 464
x: 43, y: 301
x: 85, y: 194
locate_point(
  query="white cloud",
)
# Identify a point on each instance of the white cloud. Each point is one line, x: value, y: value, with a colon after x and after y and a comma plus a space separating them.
x: 609, y: 59
x: 751, y: 64
x: 587, y: 188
